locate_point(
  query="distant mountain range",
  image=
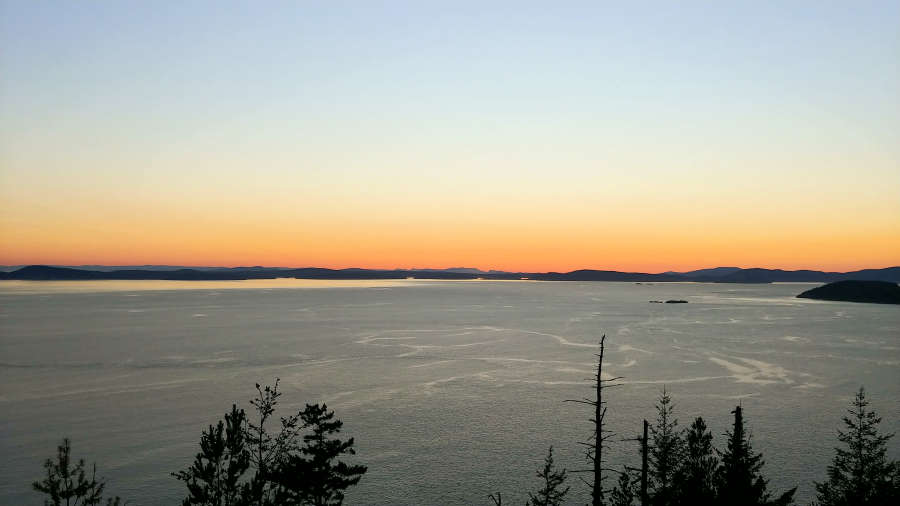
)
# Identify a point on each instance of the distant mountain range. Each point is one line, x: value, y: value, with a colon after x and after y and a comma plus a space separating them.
x: 715, y: 275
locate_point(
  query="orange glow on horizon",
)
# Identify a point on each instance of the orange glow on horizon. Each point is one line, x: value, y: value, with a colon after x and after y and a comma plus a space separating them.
x: 509, y: 248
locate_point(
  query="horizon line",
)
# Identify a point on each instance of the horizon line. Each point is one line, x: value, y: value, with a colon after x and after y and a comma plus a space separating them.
x: 137, y: 266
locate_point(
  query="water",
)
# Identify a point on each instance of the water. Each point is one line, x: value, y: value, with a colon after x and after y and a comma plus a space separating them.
x: 453, y: 390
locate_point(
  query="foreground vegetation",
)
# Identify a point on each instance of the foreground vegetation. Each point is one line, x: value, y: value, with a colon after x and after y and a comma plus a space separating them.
x: 297, y: 460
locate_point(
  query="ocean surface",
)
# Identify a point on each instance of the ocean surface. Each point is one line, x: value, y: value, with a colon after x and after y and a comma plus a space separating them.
x: 452, y: 390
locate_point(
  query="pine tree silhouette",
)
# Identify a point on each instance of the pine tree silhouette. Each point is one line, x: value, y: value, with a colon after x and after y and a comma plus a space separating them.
x: 269, y: 449
x: 286, y: 472
x: 552, y: 493
x: 315, y: 476
x: 666, y: 450
x: 696, y: 477
x: 740, y: 482
x: 68, y: 485
x: 860, y: 473
x: 214, y: 479
x: 626, y: 490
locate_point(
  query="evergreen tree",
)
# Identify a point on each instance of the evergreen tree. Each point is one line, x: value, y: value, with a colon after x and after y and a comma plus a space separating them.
x: 552, y: 492
x: 285, y: 472
x: 666, y: 450
x: 214, y: 479
x: 740, y: 482
x: 314, y: 476
x: 860, y: 473
x: 626, y: 490
x: 68, y: 485
x: 268, y: 449
x: 696, y: 477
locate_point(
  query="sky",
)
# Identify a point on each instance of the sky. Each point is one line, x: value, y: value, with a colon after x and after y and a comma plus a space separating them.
x: 528, y: 136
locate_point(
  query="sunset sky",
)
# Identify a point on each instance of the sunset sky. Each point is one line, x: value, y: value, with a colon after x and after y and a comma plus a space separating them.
x: 530, y: 136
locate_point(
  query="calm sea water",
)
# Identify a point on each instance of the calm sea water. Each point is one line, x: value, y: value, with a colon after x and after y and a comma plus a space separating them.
x: 453, y: 390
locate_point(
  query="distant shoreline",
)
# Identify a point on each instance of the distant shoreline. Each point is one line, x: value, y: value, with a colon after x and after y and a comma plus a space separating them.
x: 717, y: 275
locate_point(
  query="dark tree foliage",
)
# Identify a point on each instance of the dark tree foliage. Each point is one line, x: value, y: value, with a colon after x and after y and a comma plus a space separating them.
x: 696, y: 477
x: 666, y: 452
x: 214, y: 479
x: 860, y: 473
x: 315, y: 476
x: 295, y: 465
x: 740, y: 480
x: 68, y: 484
x: 552, y: 491
x: 627, y: 490
x: 268, y: 449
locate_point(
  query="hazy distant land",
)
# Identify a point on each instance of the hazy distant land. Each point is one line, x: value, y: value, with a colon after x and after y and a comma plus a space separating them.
x: 715, y: 275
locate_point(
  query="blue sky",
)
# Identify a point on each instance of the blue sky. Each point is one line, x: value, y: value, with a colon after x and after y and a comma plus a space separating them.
x: 402, y: 104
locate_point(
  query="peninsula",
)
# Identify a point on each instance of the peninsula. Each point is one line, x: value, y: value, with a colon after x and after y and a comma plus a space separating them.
x: 879, y: 292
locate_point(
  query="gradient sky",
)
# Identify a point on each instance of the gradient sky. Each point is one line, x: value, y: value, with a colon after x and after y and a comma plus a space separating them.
x: 517, y: 135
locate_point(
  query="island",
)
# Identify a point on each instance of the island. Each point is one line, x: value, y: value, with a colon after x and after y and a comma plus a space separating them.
x: 879, y: 292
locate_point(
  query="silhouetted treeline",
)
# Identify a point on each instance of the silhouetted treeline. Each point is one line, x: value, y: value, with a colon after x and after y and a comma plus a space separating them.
x: 683, y: 467
x: 686, y: 469
x: 259, y: 460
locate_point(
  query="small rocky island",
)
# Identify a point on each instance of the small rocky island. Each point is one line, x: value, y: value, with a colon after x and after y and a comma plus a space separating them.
x: 879, y: 292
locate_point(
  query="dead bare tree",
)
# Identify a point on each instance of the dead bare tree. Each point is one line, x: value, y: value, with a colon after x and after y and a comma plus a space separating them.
x: 595, y: 444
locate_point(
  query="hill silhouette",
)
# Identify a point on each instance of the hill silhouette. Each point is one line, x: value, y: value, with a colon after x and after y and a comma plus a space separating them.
x: 715, y: 275
x: 758, y: 275
x: 880, y: 292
